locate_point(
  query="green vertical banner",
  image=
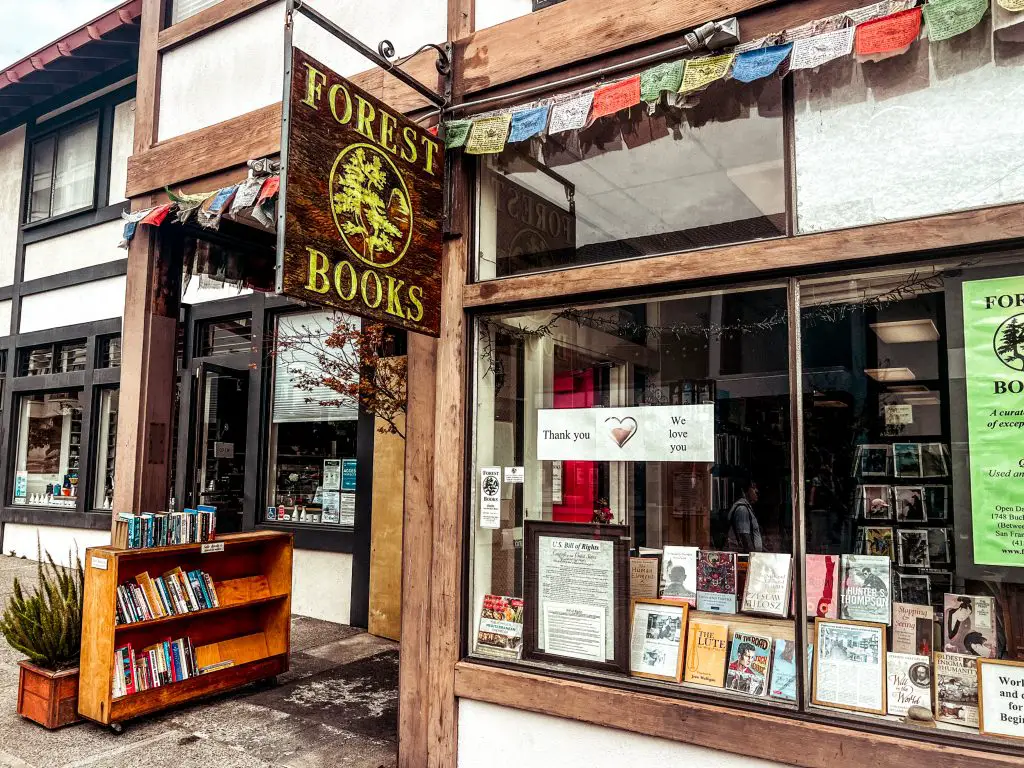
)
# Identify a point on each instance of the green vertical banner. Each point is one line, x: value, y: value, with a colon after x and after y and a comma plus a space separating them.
x: 994, y: 349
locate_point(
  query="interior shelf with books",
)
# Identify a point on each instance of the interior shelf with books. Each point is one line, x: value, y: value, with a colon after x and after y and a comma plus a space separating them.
x: 163, y: 626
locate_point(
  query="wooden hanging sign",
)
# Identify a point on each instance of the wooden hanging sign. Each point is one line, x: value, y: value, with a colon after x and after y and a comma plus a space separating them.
x: 363, y: 204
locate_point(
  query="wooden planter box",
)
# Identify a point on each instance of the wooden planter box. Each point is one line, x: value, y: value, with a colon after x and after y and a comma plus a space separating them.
x: 48, y: 698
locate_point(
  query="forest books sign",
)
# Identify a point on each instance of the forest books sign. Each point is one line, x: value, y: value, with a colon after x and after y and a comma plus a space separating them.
x: 994, y: 350
x: 362, y: 203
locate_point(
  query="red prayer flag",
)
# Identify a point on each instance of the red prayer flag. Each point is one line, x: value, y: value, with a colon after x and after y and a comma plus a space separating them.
x: 269, y: 189
x: 612, y: 98
x: 890, y: 33
x: 156, y: 216
x: 432, y: 130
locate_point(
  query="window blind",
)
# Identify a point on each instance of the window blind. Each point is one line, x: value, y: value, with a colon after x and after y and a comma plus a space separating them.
x: 182, y: 9
x: 292, y: 404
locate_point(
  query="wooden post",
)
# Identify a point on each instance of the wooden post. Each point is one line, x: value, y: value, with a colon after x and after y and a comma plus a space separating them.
x: 417, y: 547
x: 152, y: 300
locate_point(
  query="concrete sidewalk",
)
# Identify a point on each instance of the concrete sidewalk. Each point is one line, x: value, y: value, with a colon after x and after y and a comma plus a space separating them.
x: 337, y: 706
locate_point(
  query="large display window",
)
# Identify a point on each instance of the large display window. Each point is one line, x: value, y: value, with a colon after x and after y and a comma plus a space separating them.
x: 48, y: 457
x: 795, y: 495
x: 314, y: 420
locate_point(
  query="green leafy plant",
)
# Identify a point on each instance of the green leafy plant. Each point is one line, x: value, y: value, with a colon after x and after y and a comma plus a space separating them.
x: 47, y: 625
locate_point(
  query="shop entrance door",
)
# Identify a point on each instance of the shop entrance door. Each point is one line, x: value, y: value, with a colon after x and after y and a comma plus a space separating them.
x: 576, y: 389
x: 220, y: 400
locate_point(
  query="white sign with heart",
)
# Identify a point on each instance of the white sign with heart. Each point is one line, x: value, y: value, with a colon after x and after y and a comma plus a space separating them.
x: 642, y: 433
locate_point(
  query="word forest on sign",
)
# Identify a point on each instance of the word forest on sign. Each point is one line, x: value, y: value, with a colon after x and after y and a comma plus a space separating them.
x: 362, y: 203
x: 877, y: 31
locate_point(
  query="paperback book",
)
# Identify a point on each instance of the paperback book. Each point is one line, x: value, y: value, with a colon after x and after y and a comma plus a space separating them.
x: 783, y: 669
x: 908, y: 682
x: 822, y: 586
x: 716, y: 582
x: 969, y: 625
x: 912, y: 629
x: 867, y: 588
x: 956, y: 689
x: 749, y: 664
x: 769, y: 578
x: 679, y: 574
x: 500, y: 634
x: 706, y: 651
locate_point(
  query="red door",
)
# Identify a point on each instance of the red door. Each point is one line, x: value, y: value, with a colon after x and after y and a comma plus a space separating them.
x: 576, y: 389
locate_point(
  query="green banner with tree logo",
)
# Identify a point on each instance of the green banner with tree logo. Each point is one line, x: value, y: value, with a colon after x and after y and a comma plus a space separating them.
x: 994, y: 347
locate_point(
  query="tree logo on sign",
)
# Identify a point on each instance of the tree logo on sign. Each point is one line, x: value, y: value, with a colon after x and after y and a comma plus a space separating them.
x: 370, y: 204
x: 1009, y: 342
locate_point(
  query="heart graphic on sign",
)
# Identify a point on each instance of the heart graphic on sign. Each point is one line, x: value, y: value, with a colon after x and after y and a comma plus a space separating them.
x: 622, y: 430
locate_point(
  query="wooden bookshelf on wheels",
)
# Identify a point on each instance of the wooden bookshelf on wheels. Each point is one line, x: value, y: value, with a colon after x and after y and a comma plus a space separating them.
x: 250, y: 627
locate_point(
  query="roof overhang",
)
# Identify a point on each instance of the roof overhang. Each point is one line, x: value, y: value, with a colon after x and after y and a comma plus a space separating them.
x: 104, y: 44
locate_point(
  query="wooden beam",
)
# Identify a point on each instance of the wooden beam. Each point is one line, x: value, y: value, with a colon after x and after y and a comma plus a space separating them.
x: 753, y: 734
x: 574, y: 31
x: 208, y: 20
x: 147, y: 88
x: 917, y: 236
x: 204, y: 152
x: 249, y: 136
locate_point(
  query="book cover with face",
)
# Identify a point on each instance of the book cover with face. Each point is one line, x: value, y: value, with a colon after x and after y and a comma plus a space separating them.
x: 867, y: 588
x: 749, y: 663
x: 969, y: 625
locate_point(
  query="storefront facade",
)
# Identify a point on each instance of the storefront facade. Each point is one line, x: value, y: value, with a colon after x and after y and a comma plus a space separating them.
x: 68, y: 114
x: 794, y: 264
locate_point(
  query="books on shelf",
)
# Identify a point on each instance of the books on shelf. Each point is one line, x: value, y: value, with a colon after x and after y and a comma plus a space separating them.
x: 174, y: 593
x: 161, y: 529
x: 154, y: 666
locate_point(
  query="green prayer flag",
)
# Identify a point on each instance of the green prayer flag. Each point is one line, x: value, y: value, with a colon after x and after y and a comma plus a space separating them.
x: 664, y: 77
x: 456, y: 132
x: 948, y: 18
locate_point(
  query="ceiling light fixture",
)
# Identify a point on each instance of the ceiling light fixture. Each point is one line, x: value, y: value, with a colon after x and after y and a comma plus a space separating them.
x: 906, y: 331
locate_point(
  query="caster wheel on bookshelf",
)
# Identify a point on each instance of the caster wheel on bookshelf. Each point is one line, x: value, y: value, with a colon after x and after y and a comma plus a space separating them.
x: 117, y: 728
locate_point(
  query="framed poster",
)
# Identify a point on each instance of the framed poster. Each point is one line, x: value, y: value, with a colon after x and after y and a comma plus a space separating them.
x: 577, y: 594
x: 657, y: 639
x: 1001, y: 698
x: 849, y: 665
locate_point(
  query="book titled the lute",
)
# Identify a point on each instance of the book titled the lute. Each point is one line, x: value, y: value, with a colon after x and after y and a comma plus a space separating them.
x: 707, y: 646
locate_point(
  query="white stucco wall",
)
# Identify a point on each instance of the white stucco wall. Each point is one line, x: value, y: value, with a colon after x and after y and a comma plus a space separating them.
x: 240, y: 67
x: 98, y: 300
x: 59, y: 542
x: 491, y: 12
x: 322, y: 585
x: 12, y: 158
x: 543, y: 740
x: 75, y: 250
x: 121, y: 149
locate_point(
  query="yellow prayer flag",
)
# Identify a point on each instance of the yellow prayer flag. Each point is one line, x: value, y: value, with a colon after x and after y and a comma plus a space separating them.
x: 488, y: 135
x: 705, y: 70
